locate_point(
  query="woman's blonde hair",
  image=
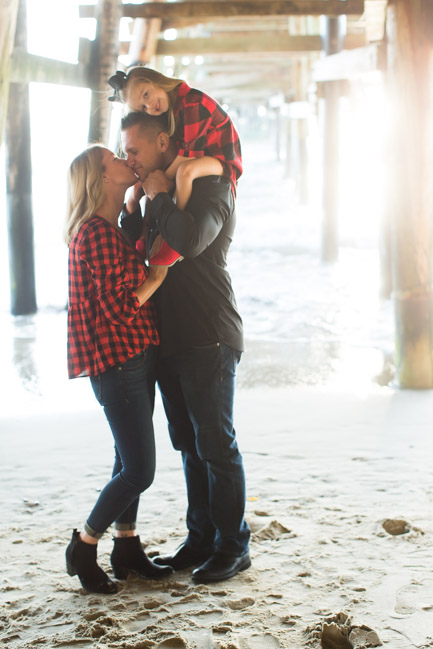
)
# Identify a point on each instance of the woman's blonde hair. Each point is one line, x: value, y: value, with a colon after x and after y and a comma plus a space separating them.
x: 85, y: 189
x: 170, y: 85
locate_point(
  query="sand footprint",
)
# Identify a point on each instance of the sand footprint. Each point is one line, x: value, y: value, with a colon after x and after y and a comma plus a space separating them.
x: 261, y: 641
x: 241, y: 603
x: 172, y: 643
x: 413, y: 597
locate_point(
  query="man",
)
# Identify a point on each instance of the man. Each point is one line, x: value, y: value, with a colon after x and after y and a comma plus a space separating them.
x: 201, y: 345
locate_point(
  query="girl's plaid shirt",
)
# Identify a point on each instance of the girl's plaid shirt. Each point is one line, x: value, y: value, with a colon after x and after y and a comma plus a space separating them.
x: 106, y: 325
x: 203, y: 128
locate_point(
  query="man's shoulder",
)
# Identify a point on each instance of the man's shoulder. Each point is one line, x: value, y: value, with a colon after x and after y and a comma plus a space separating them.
x: 212, y: 195
x: 211, y: 185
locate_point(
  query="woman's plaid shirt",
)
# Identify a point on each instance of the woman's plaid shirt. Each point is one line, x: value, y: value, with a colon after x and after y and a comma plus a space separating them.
x: 106, y: 324
x: 203, y: 128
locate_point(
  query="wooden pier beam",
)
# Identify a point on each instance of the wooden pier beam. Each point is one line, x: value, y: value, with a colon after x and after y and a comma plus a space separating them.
x: 8, y: 18
x: 410, y: 77
x: 103, y: 62
x: 211, y: 9
x: 19, y: 188
x: 331, y: 95
x: 144, y: 40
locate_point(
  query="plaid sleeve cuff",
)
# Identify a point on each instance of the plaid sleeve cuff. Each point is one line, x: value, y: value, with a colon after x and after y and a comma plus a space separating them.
x: 185, y: 153
x: 136, y: 305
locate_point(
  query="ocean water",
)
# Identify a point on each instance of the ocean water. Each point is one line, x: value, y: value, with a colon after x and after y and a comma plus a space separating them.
x: 306, y: 323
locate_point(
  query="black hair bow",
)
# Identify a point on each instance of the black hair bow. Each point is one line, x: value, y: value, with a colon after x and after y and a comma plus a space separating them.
x: 117, y: 82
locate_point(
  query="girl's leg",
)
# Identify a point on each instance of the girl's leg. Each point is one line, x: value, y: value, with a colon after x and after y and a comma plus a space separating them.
x: 190, y: 170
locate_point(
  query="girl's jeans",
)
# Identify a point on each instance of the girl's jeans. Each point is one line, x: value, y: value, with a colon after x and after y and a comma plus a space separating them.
x: 127, y: 394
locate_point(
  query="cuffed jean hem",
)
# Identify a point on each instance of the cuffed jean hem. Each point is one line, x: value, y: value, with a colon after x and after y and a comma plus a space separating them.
x: 91, y: 532
x: 125, y: 527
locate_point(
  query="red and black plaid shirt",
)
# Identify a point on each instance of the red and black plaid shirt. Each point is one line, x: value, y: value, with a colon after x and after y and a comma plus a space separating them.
x: 106, y: 324
x: 203, y: 128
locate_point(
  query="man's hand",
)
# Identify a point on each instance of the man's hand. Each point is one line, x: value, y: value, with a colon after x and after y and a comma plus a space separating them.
x: 155, y: 183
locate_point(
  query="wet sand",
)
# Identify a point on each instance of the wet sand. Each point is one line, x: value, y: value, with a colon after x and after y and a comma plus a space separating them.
x: 325, y: 468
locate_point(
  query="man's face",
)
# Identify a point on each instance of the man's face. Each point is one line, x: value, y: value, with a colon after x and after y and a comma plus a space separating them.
x: 143, y: 152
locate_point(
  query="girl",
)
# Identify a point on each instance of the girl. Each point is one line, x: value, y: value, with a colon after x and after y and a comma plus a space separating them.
x: 112, y: 339
x: 208, y: 143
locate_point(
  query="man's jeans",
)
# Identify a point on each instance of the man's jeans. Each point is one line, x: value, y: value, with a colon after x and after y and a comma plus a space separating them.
x: 127, y: 393
x: 197, y: 389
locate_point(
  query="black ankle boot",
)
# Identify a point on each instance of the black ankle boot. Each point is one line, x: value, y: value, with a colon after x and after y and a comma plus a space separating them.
x: 128, y: 555
x: 81, y: 561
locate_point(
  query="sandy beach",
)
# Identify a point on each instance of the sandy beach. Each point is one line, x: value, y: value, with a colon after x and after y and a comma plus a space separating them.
x: 331, y: 453
x: 325, y: 467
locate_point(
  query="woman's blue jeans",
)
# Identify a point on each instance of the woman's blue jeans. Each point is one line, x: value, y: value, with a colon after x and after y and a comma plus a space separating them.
x: 197, y: 389
x: 127, y: 394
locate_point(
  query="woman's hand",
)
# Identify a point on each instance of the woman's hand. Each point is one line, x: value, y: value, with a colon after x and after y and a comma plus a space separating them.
x: 134, y: 197
x: 158, y: 273
x: 156, y: 276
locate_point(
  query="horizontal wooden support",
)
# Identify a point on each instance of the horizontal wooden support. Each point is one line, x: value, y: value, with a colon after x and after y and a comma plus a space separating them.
x: 348, y: 64
x: 233, y: 9
x: 250, y: 43
x: 259, y: 42
x: 29, y: 67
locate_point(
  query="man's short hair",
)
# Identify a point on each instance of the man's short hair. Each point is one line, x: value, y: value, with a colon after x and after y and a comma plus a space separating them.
x: 152, y: 124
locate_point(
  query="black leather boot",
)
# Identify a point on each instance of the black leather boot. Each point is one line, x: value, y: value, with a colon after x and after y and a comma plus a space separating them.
x: 183, y: 557
x: 81, y: 561
x: 128, y: 555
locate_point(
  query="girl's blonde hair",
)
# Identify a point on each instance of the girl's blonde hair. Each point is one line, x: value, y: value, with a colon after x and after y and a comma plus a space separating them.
x: 170, y: 85
x: 84, y: 190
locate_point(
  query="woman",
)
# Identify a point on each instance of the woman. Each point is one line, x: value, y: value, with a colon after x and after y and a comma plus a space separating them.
x: 112, y: 338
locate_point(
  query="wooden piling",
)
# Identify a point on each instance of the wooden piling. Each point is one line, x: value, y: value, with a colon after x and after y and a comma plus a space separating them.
x: 8, y: 18
x: 331, y: 96
x: 103, y: 63
x: 19, y: 188
x: 410, y: 76
x: 301, y: 82
x: 144, y: 40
